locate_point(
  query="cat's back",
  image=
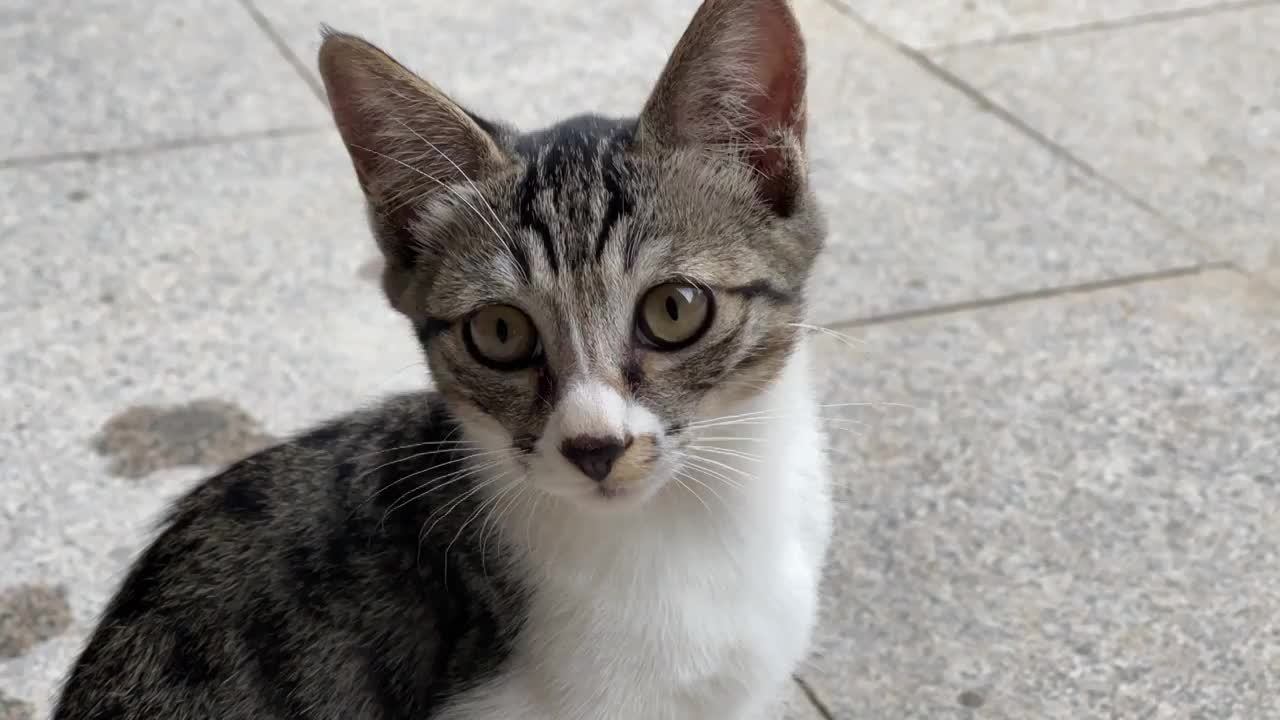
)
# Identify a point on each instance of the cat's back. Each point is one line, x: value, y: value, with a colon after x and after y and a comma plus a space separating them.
x: 292, y: 584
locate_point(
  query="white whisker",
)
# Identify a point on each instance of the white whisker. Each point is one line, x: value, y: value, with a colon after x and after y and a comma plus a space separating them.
x: 397, y: 481
x: 727, y: 451
x: 452, y: 190
x: 509, y: 240
x: 680, y: 480
x: 850, y: 342
x: 439, y: 483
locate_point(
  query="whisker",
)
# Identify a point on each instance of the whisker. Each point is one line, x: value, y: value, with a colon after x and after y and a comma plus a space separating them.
x: 446, y: 186
x: 439, y: 483
x: 727, y: 451
x: 765, y: 420
x: 410, y: 446
x: 509, y: 240
x: 522, y: 488
x: 731, y: 438
x: 528, y: 521
x: 680, y: 481
x: 691, y: 461
x: 773, y: 411
x: 437, y: 466
x: 719, y: 464
x: 443, y: 512
x: 850, y: 342
x: 489, y: 503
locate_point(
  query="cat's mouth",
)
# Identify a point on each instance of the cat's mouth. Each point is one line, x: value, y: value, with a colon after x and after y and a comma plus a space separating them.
x: 613, y: 496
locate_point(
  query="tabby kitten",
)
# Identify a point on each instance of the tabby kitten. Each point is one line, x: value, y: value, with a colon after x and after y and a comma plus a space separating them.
x: 616, y: 503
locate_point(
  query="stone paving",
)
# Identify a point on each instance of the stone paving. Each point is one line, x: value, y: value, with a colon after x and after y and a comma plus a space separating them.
x: 1054, y: 268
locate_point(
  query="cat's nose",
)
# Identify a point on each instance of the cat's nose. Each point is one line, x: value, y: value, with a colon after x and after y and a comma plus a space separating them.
x: 594, y: 456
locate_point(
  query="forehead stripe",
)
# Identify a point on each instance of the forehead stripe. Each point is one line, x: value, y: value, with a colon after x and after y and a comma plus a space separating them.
x: 529, y: 218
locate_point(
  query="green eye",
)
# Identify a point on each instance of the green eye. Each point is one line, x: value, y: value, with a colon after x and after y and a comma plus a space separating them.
x: 673, y: 316
x: 501, y: 336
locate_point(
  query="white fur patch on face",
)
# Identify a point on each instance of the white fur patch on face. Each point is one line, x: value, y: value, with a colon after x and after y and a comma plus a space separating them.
x: 596, y: 411
x: 591, y: 409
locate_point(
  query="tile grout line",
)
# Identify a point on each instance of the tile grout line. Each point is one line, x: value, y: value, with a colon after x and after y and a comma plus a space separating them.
x: 1018, y: 298
x: 301, y: 68
x: 1272, y: 286
x: 1088, y: 28
x: 811, y: 694
x: 159, y: 147
x: 1007, y: 116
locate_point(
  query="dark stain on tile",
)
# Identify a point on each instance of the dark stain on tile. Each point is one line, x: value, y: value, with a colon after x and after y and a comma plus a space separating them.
x: 371, y: 270
x: 14, y: 709
x: 78, y: 195
x: 147, y: 438
x: 971, y: 699
x: 30, y: 615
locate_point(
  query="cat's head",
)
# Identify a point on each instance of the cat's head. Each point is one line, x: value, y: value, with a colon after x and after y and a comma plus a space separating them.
x: 587, y: 292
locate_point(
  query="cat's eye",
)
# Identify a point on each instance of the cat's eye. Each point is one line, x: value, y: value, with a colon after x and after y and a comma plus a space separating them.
x: 673, y: 315
x: 502, y: 337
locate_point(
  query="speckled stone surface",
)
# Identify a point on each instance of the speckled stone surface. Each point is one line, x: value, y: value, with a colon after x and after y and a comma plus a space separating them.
x: 1199, y: 134
x: 928, y: 23
x: 1071, y: 513
x: 92, y: 75
x: 934, y: 201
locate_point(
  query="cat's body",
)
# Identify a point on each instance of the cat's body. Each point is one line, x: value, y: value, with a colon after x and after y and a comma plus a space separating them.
x: 290, y: 586
x: 616, y: 503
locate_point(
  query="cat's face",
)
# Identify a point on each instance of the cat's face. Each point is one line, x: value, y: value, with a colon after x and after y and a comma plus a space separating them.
x: 588, y: 294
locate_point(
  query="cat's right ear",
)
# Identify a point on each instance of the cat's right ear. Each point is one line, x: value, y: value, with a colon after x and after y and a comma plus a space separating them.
x: 407, y: 141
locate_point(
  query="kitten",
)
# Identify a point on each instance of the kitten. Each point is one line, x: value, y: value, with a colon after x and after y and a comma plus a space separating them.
x: 615, y: 505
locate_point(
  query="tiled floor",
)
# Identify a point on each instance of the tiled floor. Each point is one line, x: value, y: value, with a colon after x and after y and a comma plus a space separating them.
x: 1055, y: 246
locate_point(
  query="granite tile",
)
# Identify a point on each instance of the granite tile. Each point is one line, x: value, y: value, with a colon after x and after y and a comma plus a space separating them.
x: 1185, y: 115
x: 1069, y: 513
x: 99, y: 74
x: 930, y: 23
x: 231, y: 272
x: 932, y: 201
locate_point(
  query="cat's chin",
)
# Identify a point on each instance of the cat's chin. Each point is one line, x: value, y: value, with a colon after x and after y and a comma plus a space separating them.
x: 604, y: 498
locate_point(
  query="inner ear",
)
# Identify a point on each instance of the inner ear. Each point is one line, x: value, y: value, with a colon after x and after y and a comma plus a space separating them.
x: 408, y: 142
x: 735, y: 84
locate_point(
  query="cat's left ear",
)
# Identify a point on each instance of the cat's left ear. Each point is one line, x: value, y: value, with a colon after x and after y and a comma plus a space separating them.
x: 407, y: 141
x: 735, y: 85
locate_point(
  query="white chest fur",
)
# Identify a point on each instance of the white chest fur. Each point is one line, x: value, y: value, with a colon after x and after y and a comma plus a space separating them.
x: 690, y: 609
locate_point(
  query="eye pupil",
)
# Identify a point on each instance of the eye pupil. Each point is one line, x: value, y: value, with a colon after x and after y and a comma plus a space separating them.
x: 502, y: 337
x: 673, y: 315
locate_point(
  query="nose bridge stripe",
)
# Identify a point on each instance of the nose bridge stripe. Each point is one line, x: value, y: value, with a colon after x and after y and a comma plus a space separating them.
x: 593, y: 408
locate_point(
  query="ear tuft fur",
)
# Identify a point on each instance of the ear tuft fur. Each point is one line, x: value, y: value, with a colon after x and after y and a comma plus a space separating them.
x: 407, y: 141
